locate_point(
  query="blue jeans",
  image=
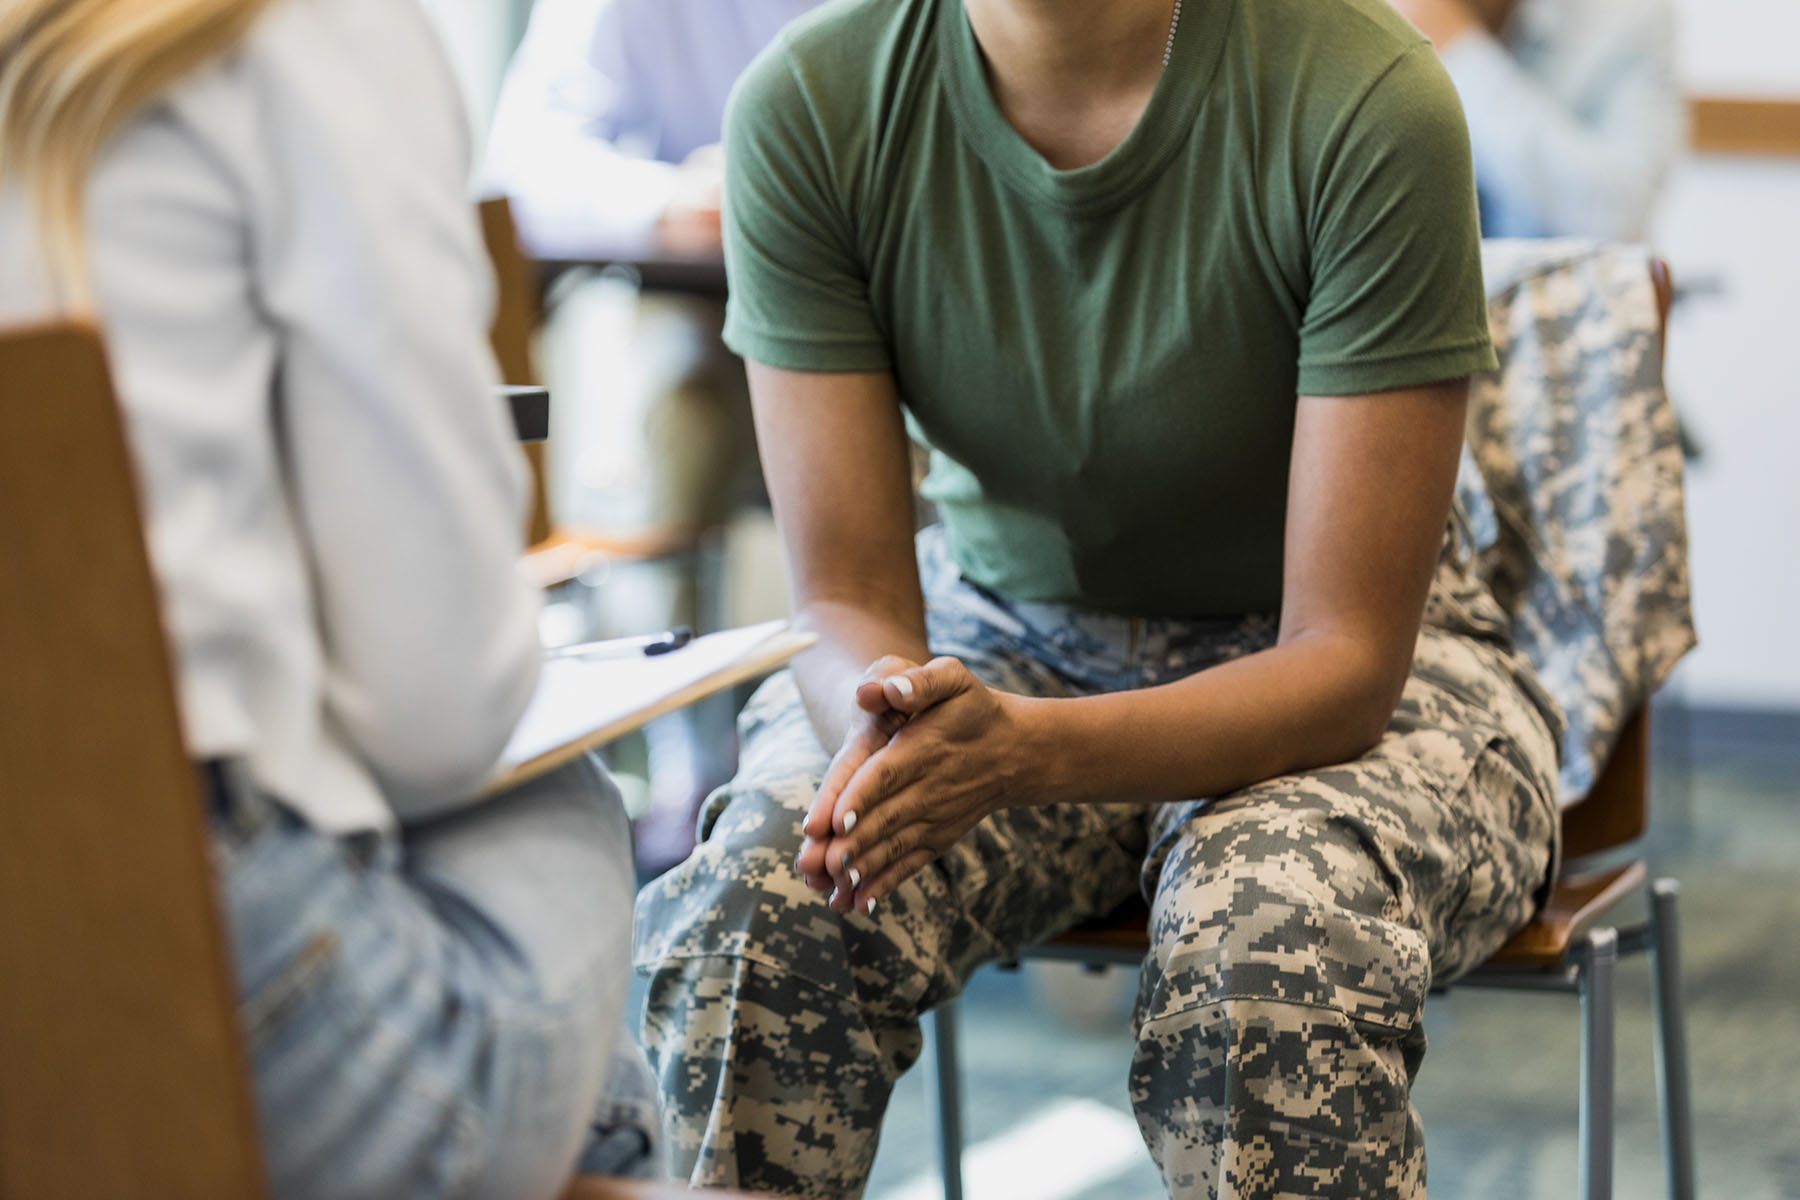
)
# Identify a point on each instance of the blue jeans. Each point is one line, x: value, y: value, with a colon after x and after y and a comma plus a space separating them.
x: 435, y: 1013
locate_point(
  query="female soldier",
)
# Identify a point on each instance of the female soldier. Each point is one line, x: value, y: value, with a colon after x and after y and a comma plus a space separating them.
x: 1184, y: 303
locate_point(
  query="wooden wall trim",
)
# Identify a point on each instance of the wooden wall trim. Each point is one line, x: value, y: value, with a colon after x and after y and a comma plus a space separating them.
x: 1741, y: 125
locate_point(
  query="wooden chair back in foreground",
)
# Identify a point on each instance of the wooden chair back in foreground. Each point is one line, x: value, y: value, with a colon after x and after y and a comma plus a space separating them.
x: 121, y: 1072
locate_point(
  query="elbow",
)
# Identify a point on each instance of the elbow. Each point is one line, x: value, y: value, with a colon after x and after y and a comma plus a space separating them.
x: 434, y: 756
x: 1366, y: 705
x: 460, y: 746
x: 1383, y: 684
x: 1368, y: 723
x: 1355, y: 679
x: 434, y: 739
x: 1357, y: 725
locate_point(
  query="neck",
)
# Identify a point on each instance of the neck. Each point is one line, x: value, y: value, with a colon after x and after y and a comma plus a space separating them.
x: 1091, y: 47
x: 1072, y: 76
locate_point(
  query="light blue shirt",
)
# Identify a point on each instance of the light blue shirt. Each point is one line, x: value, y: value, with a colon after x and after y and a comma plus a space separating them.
x: 607, y: 97
x: 1576, y: 117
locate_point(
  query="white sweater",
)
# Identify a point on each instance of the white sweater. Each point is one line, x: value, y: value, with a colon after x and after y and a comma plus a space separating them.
x: 295, y: 299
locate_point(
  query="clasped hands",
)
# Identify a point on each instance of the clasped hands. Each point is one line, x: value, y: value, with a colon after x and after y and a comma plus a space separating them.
x: 931, y: 752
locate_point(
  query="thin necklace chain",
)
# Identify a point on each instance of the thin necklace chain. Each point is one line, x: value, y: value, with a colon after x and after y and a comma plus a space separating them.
x: 1174, y: 24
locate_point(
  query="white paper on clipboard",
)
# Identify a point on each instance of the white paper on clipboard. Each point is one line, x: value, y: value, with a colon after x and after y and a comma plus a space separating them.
x: 582, y: 704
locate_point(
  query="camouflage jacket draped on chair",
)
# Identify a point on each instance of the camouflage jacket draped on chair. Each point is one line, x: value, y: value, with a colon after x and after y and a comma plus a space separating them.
x: 1572, y: 481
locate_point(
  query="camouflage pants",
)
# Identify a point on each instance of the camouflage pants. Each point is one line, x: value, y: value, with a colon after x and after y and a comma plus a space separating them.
x: 1296, y: 927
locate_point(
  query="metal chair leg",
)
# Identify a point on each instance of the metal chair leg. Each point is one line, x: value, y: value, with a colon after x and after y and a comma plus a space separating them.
x: 946, y: 1093
x: 1599, y: 955
x: 1671, y: 1040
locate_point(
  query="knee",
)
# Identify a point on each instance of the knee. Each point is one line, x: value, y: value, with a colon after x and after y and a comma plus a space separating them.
x: 739, y: 894
x: 1286, y: 910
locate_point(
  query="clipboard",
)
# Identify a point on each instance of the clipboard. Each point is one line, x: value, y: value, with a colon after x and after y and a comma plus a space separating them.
x: 581, y: 705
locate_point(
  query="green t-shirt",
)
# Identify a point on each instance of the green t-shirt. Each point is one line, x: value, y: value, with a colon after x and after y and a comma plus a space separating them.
x: 1105, y: 362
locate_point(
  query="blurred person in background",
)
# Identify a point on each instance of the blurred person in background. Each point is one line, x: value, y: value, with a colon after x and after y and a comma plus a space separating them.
x: 1573, y: 106
x: 607, y: 133
x: 262, y: 204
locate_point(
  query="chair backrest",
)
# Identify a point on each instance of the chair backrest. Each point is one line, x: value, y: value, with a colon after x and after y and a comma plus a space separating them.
x: 516, y: 314
x: 122, y: 1072
x: 1616, y: 810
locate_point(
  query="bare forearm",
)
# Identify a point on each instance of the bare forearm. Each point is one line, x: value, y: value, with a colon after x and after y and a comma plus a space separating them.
x: 1297, y: 706
x: 851, y: 637
x: 834, y: 454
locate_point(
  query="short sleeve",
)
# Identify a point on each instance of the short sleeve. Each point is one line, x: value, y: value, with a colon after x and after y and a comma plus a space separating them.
x: 1397, y: 299
x: 799, y: 294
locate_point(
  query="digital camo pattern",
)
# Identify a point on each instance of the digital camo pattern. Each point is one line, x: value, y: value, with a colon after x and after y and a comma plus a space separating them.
x: 1573, y: 480
x: 1297, y: 926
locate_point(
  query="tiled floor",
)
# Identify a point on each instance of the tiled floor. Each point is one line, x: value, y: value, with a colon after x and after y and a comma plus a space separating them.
x: 1045, y: 1097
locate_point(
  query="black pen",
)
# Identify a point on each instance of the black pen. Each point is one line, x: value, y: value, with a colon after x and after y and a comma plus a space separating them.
x: 651, y: 644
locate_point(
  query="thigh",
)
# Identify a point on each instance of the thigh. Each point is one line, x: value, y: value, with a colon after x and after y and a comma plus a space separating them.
x: 533, y: 891
x: 1446, y: 828
x: 1285, y: 891
x: 1472, y: 727
x: 536, y: 885
x: 431, y: 1016
x: 1019, y: 877
x: 352, y: 1100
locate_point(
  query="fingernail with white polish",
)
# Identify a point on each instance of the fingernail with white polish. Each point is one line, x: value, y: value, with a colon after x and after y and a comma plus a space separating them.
x: 871, y: 906
x: 849, y: 821
x: 833, y: 898
x: 904, y: 686
x: 855, y: 877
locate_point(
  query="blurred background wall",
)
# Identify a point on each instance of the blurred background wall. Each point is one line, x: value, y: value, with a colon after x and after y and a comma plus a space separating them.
x: 1731, y: 227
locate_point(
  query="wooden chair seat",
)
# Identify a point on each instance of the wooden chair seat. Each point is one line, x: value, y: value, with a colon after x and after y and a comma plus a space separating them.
x: 1576, y: 905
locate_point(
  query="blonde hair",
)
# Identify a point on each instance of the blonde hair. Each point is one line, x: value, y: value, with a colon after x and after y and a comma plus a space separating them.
x: 71, y: 73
